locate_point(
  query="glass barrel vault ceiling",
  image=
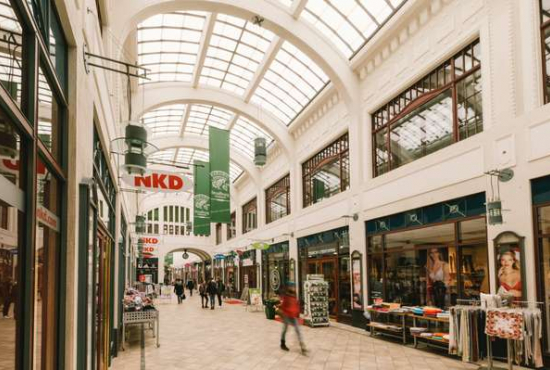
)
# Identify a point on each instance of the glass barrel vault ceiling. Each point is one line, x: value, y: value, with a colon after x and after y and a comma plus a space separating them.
x: 186, y: 156
x: 349, y: 24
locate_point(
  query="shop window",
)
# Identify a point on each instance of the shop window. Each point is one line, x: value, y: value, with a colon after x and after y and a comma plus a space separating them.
x: 278, y: 199
x: 422, y: 119
x: 232, y: 227
x: 49, y: 118
x: 545, y: 33
x: 429, y: 265
x: 46, y: 269
x: 327, y: 173
x: 50, y: 28
x: 11, y: 216
x: 250, y: 216
x: 11, y: 51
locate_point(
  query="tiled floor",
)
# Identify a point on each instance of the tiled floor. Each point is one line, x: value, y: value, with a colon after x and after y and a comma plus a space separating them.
x: 232, y: 338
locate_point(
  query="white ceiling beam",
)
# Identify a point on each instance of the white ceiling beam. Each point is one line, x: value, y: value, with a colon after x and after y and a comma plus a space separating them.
x: 175, y: 155
x: 232, y: 122
x: 184, y: 119
x: 203, y: 47
x: 269, y: 56
x: 297, y: 8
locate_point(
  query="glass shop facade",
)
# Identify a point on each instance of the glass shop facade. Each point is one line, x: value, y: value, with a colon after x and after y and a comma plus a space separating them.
x: 328, y: 253
x: 33, y: 162
x: 275, y: 269
x: 431, y: 255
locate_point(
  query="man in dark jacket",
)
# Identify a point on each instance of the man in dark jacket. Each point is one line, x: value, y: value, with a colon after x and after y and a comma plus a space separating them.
x: 212, y: 290
x: 221, y: 289
x: 190, y: 286
x: 179, y: 290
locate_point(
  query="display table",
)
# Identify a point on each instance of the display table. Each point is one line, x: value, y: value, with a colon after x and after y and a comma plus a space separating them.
x: 386, y: 327
x: 429, y: 341
x: 150, y: 317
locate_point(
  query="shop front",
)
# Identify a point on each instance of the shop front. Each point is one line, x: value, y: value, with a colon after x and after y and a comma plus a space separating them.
x: 328, y: 254
x: 247, y: 268
x: 540, y: 190
x: 147, y: 270
x: 230, y: 274
x: 275, y: 269
x: 431, y: 256
x: 218, y: 269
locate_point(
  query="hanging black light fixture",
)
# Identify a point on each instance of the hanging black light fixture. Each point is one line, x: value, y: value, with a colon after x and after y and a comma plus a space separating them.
x: 260, y: 151
x: 135, y: 160
x: 140, y: 224
x: 185, y: 255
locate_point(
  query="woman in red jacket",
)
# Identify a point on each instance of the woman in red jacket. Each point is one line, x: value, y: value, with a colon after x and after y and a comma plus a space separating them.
x: 290, y: 311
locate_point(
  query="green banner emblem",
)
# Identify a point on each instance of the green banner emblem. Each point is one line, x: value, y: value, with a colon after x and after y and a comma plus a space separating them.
x: 219, y: 176
x: 201, y: 199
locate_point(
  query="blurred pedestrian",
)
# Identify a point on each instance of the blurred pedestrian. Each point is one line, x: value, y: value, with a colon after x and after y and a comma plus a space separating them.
x: 179, y: 290
x: 190, y: 286
x: 212, y: 290
x: 203, y: 294
x: 289, y: 309
x: 221, y: 289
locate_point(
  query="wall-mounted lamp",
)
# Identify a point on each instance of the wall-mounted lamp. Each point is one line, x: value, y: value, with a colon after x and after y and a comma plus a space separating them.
x: 354, y: 216
x: 494, y: 203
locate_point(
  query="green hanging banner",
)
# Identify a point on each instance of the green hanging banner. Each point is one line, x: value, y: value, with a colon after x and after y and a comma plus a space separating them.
x: 201, y: 199
x: 219, y: 176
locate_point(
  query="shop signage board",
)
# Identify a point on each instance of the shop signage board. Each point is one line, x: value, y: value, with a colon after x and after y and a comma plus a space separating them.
x: 47, y: 218
x: 219, y: 175
x: 160, y: 182
x: 255, y: 297
x: 201, y: 199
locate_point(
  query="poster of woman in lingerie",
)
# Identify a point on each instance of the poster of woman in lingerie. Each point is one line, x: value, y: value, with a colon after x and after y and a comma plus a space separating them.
x: 509, y: 273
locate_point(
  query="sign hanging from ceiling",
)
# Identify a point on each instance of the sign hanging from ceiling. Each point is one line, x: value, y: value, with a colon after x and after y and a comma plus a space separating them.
x: 160, y: 182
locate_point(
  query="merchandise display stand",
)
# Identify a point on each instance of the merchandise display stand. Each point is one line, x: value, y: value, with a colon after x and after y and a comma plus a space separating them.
x: 509, y: 342
x: 387, y: 328
x: 316, y: 301
x: 150, y: 317
x: 430, y: 342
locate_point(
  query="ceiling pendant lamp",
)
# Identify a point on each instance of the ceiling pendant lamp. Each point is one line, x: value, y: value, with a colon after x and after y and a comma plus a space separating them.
x: 260, y: 151
x: 135, y: 148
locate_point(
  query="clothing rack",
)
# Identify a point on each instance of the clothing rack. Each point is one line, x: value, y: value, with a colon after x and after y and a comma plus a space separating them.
x: 509, y: 342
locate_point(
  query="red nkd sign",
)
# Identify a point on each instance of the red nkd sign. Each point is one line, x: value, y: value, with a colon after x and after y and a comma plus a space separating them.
x: 149, y: 240
x: 161, y: 182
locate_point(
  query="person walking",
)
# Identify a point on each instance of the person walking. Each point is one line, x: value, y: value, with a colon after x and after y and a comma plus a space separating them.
x: 179, y: 290
x: 290, y: 311
x: 203, y: 294
x: 7, y: 294
x: 190, y: 286
x: 212, y: 290
x: 220, y: 291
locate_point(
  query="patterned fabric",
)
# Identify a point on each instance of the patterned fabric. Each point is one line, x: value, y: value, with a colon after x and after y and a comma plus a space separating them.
x: 504, y: 324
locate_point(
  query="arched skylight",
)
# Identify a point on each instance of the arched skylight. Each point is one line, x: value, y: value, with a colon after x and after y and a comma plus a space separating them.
x: 349, y: 24
x: 186, y: 157
x: 179, y: 120
x: 230, y: 53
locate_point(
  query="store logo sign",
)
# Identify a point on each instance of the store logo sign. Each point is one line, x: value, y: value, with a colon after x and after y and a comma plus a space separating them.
x: 160, y: 181
x: 47, y: 218
x: 147, y: 240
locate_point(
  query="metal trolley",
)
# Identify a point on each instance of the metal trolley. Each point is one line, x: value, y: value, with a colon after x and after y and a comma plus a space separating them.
x: 150, y: 317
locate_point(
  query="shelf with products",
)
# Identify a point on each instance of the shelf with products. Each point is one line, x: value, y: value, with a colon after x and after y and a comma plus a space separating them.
x: 316, y: 309
x: 390, y: 322
x: 436, y: 326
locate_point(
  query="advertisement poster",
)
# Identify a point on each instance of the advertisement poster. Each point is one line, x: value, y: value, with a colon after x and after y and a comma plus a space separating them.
x: 357, y: 294
x: 255, y: 297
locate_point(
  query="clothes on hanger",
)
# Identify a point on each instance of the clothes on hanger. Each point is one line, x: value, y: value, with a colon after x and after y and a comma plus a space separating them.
x: 466, y: 333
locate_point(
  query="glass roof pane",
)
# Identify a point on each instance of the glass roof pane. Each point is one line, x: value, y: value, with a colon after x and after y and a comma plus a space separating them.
x: 286, y: 2
x: 236, y: 49
x: 189, y: 155
x: 290, y: 83
x: 202, y: 116
x: 164, y: 121
x: 162, y: 156
x: 349, y: 24
x: 168, y: 45
x: 243, y: 134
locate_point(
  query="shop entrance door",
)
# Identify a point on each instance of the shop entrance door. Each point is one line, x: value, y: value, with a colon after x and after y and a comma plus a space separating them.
x: 328, y: 267
x: 103, y: 279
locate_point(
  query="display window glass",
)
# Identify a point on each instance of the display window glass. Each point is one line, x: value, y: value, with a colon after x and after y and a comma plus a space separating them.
x: 12, y: 215
x: 46, y: 269
x: 429, y: 265
x: 11, y: 51
x: 49, y: 118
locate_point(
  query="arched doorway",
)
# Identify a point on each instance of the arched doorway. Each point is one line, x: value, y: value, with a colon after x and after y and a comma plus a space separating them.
x: 196, y: 269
